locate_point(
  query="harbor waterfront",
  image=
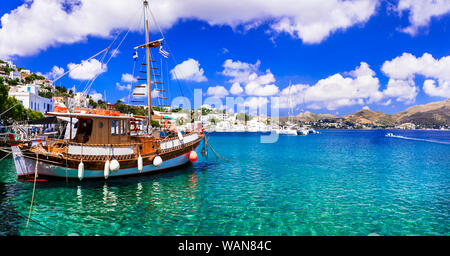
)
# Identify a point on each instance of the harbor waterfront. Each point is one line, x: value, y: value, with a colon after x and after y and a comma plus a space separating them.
x: 338, y: 182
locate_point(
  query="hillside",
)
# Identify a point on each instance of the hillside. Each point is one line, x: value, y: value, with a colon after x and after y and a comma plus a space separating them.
x: 435, y: 113
x: 310, y: 117
x: 366, y: 116
x: 427, y: 115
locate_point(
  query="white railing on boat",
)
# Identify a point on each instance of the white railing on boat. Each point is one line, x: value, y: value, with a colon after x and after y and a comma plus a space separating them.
x: 101, y: 151
x: 165, y: 145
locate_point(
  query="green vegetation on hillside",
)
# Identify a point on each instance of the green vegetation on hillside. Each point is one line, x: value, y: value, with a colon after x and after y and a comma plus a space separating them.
x: 14, y: 111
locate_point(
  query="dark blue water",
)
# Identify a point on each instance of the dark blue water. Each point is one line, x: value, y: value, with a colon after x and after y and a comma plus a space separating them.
x: 340, y: 182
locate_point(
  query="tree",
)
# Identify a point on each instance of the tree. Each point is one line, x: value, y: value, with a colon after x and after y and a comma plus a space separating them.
x: 205, y: 111
x: 47, y: 94
x: 155, y: 123
x: 92, y: 103
x: 15, y: 110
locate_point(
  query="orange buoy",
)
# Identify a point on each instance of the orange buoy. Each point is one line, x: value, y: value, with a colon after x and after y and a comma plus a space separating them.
x: 193, y: 156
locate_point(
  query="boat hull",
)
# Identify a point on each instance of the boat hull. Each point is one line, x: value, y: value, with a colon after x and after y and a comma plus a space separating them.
x: 46, y: 169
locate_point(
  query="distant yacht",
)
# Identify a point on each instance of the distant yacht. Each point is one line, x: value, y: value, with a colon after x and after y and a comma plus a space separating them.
x: 390, y: 134
x: 287, y: 131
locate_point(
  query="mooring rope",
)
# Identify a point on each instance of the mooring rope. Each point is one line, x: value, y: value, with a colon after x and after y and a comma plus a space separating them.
x: 215, y: 151
x: 67, y: 181
x: 5, y: 156
x: 34, y: 187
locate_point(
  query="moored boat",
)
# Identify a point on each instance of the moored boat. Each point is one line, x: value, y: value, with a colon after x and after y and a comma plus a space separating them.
x: 102, y: 143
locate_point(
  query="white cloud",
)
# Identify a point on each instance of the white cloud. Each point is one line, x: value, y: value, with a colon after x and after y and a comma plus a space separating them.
x: 35, y: 26
x: 313, y: 21
x: 140, y: 90
x: 188, y: 70
x: 360, y: 87
x: 443, y: 90
x: 403, y: 90
x: 114, y: 53
x: 123, y: 87
x: 247, y: 74
x: 128, y: 78
x: 55, y: 73
x: 357, y: 87
x: 236, y: 89
x: 96, y: 96
x: 366, y: 108
x: 255, y: 102
x: 239, y: 71
x: 217, y: 91
x: 421, y: 12
x: 87, y: 70
x: 407, y: 66
x: 254, y: 88
x: 156, y: 93
x: 27, y: 31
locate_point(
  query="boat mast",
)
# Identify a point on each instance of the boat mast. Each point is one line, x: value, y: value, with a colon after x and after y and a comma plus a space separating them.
x: 147, y: 48
x: 290, y: 104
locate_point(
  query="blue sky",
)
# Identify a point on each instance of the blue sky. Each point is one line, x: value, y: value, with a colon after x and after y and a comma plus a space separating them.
x: 390, y: 40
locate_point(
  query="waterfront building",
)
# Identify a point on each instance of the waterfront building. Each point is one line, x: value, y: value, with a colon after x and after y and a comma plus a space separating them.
x: 28, y: 95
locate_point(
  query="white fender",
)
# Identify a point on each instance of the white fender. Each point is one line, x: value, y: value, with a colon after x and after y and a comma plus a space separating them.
x: 180, y: 135
x: 140, y: 163
x: 81, y: 170
x: 114, y: 165
x: 157, y: 161
x: 106, y: 172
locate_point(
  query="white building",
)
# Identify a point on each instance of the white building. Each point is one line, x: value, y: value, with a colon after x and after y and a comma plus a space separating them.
x: 13, y: 75
x: 28, y: 95
x: 10, y: 64
x: 80, y: 100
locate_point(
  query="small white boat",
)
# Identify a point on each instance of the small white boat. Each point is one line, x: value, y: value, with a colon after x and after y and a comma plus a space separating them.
x: 286, y: 131
x: 390, y: 134
x: 302, y: 131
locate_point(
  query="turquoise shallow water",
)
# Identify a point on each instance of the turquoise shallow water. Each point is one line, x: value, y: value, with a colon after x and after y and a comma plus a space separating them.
x: 340, y: 182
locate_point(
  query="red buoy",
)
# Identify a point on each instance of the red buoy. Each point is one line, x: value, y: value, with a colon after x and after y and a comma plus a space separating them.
x: 193, y: 156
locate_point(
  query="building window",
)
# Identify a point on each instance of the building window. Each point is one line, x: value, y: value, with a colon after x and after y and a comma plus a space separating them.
x: 114, y: 127
x: 123, y: 128
x: 29, y: 89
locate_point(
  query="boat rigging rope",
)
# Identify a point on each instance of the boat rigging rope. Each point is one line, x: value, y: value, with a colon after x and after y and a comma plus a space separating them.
x: 10, y: 108
x: 34, y: 188
x: 171, y: 53
x: 115, y: 51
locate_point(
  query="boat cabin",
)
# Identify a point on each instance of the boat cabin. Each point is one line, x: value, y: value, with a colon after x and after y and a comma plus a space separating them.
x: 91, y: 129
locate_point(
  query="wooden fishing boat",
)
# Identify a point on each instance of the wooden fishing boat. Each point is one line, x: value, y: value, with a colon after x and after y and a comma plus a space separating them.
x: 102, y: 143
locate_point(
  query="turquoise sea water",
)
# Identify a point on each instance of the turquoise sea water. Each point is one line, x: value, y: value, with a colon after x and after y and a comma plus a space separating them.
x: 340, y: 182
